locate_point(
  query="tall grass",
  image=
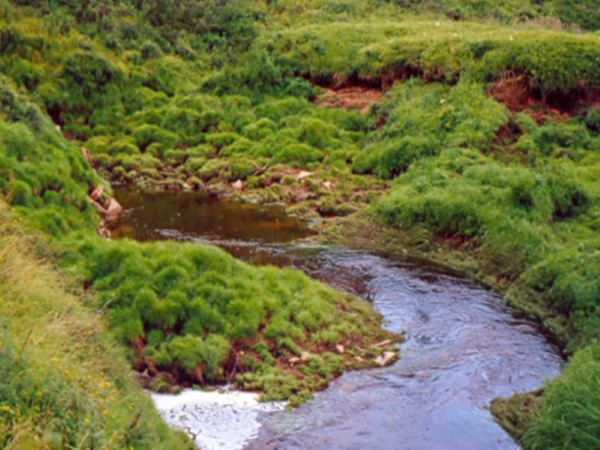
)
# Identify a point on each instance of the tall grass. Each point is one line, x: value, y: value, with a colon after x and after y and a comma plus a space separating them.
x: 65, y: 381
x: 569, y: 416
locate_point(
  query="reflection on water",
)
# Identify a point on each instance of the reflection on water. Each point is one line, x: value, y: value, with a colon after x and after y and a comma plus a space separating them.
x: 463, y: 346
x: 193, y: 215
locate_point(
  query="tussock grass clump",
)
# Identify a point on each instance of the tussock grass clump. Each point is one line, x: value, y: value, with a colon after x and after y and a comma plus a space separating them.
x: 420, y: 120
x: 567, y: 281
x: 507, y: 211
x: 194, y: 315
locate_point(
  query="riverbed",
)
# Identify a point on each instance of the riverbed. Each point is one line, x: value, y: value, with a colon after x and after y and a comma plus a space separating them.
x: 464, y: 347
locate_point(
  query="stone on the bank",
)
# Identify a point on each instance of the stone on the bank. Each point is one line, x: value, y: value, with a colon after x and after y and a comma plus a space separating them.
x: 383, y: 343
x: 113, y: 211
x: 97, y: 192
x: 303, y: 174
x: 385, y: 358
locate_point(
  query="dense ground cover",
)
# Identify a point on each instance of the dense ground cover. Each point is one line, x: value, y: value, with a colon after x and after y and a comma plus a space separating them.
x: 190, y: 315
x: 194, y: 315
x: 65, y: 381
x: 486, y: 140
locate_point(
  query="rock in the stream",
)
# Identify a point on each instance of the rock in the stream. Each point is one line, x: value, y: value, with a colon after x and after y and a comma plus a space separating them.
x: 238, y: 185
x: 113, y: 211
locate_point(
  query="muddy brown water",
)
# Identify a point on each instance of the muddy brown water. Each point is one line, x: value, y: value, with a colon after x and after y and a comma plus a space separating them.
x: 463, y: 347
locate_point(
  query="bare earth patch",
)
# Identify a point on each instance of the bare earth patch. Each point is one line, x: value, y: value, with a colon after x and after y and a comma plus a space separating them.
x: 513, y: 90
x: 353, y: 97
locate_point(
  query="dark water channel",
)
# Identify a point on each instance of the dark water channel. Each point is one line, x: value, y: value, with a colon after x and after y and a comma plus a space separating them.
x: 463, y: 346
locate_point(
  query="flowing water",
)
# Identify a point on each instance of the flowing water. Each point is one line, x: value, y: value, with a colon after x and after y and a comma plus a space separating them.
x: 463, y: 346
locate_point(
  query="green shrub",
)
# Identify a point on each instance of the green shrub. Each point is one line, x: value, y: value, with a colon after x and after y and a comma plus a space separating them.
x: 120, y: 147
x: 126, y: 324
x: 592, y: 119
x: 220, y: 140
x: 207, y: 18
x: 18, y: 142
x: 420, y: 120
x: 260, y: 129
x: 317, y: 133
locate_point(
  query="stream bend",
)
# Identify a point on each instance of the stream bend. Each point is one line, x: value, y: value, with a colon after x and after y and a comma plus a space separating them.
x: 463, y: 346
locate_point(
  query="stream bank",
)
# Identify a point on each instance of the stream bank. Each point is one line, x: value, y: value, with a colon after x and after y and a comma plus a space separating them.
x: 463, y: 348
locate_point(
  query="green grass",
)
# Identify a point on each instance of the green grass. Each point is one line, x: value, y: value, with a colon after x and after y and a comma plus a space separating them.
x: 65, y: 380
x: 163, y: 100
x: 570, y: 411
x: 198, y: 316
x: 516, y: 204
x: 442, y: 50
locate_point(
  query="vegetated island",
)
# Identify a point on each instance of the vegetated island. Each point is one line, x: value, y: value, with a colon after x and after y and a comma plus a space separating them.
x: 467, y: 131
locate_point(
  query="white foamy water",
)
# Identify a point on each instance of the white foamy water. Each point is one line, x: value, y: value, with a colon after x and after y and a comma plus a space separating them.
x: 217, y: 420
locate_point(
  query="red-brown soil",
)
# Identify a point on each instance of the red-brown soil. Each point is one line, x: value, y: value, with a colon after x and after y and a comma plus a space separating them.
x: 352, y: 97
x: 514, y: 91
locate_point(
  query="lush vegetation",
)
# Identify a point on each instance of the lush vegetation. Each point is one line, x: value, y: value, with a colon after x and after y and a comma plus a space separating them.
x: 189, y: 315
x: 65, y: 382
x: 577, y: 423
x: 194, y: 315
x: 486, y: 140
x: 522, y: 202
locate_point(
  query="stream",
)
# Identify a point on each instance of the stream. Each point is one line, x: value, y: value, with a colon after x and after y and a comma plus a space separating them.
x: 463, y: 346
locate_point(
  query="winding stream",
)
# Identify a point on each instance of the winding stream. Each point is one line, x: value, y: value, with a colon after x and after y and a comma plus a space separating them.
x: 463, y: 345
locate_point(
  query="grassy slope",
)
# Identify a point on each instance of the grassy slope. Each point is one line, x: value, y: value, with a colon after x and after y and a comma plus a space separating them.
x: 182, y: 108
x: 65, y: 380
